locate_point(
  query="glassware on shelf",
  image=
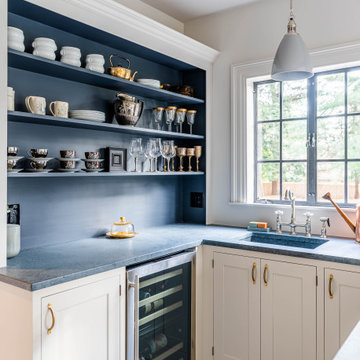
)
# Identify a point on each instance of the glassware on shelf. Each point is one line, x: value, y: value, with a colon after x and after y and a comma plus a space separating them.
x: 179, y: 119
x: 198, y: 152
x: 173, y: 161
x: 168, y: 151
x: 170, y: 116
x: 190, y: 118
x: 181, y: 152
x: 155, y: 151
x: 136, y: 150
x: 190, y: 152
x: 158, y: 115
x: 148, y: 155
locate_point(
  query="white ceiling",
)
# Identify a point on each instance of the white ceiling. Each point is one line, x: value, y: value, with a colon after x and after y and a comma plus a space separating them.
x: 185, y: 10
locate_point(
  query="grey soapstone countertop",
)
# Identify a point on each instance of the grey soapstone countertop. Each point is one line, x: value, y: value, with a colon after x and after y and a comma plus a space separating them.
x: 350, y: 350
x: 38, y: 268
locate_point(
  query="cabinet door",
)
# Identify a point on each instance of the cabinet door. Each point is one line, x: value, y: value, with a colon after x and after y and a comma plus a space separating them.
x: 288, y: 311
x: 236, y: 308
x: 86, y: 323
x: 342, y: 310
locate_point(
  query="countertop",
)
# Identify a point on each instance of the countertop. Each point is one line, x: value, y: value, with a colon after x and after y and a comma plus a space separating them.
x: 38, y: 268
x: 350, y: 350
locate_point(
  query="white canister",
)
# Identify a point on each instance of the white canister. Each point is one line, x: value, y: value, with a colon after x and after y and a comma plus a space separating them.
x: 45, y: 48
x: 70, y: 55
x: 16, y: 39
x: 13, y: 240
x: 10, y: 99
x: 95, y: 62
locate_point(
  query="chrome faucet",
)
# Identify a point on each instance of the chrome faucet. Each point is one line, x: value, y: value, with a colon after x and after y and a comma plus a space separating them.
x: 289, y: 195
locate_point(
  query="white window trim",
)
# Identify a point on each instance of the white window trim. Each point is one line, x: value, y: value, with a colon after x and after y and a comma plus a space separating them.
x: 243, y: 75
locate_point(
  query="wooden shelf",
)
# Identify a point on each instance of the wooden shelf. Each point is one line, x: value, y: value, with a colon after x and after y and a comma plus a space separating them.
x: 29, y: 62
x: 99, y: 174
x: 18, y: 116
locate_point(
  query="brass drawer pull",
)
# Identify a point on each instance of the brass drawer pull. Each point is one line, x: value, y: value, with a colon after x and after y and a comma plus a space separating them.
x: 331, y: 277
x: 253, y: 273
x: 53, y: 319
x: 265, y: 275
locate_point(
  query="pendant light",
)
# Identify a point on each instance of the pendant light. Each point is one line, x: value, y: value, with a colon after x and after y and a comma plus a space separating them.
x: 292, y: 60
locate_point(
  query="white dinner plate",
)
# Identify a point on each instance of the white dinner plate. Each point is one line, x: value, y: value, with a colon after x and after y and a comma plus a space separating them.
x: 93, y: 160
x: 92, y: 170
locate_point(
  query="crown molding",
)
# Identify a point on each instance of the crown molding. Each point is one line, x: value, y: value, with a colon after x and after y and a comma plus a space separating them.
x: 126, y: 23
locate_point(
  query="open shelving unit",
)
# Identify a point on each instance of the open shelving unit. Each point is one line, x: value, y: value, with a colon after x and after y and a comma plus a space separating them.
x: 23, y: 117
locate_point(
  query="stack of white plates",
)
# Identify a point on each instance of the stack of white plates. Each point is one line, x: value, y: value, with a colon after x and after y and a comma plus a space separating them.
x: 149, y: 82
x: 91, y: 115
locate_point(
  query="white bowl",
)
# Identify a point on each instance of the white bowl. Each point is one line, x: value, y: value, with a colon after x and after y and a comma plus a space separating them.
x: 15, y: 34
x: 97, y: 59
x: 16, y: 45
x: 45, y: 54
x: 97, y: 68
x: 70, y: 61
x: 70, y: 51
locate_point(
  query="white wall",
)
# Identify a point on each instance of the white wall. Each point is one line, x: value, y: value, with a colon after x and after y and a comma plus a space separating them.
x: 152, y: 13
x: 251, y: 33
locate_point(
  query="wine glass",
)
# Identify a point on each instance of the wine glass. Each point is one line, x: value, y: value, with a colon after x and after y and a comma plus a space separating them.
x: 148, y: 155
x: 155, y: 151
x: 136, y: 150
x: 190, y: 152
x: 158, y: 114
x: 198, y: 153
x: 170, y: 116
x: 190, y: 118
x: 181, y: 152
x: 168, y: 151
x: 179, y: 118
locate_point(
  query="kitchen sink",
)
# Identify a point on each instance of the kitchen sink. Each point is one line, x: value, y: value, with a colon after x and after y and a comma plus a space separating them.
x: 297, y: 241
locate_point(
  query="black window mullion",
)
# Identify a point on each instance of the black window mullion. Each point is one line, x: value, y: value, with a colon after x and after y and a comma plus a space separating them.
x: 311, y: 168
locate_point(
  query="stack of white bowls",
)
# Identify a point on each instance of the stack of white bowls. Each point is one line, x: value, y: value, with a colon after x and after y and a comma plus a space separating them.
x: 95, y: 62
x: 16, y: 39
x: 70, y: 55
x: 149, y: 82
x: 92, y: 115
x: 45, y: 48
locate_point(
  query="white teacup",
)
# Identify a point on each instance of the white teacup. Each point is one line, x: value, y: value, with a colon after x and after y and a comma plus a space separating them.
x: 59, y: 109
x: 36, y: 104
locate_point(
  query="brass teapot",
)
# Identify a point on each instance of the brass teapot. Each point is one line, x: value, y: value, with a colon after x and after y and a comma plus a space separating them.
x: 119, y: 71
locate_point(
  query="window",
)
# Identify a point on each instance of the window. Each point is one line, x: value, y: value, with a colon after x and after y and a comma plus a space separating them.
x: 307, y: 138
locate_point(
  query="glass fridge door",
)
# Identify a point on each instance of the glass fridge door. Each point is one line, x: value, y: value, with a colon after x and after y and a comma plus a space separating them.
x: 163, y: 314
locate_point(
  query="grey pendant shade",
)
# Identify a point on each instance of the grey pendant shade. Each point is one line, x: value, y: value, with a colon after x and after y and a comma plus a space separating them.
x: 292, y: 60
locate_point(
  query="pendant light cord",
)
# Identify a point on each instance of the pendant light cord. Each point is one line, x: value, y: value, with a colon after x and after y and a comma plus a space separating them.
x: 291, y: 10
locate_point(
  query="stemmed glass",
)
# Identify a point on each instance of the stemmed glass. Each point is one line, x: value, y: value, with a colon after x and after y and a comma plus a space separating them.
x: 155, y: 151
x: 170, y: 116
x: 190, y: 118
x: 198, y: 153
x: 181, y: 152
x: 148, y: 155
x: 136, y: 150
x: 168, y: 151
x: 179, y: 119
x: 158, y: 114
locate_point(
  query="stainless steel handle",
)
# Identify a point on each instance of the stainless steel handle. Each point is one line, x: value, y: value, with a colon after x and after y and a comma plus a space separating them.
x: 135, y: 285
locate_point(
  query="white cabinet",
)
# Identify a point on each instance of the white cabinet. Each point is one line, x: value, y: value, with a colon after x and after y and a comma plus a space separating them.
x: 288, y: 311
x: 342, y: 308
x: 263, y: 309
x: 83, y: 319
x: 84, y: 323
x: 236, y: 307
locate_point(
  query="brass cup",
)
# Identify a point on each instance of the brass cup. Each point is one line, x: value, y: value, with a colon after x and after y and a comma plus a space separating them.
x: 181, y: 152
x: 190, y: 152
x: 198, y: 153
x: 173, y: 160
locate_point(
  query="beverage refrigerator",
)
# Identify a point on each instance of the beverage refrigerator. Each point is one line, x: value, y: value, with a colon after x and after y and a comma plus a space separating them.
x: 159, y: 309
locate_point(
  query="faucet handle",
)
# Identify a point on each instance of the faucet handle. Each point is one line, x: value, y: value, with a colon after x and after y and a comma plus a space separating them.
x: 279, y: 212
x: 324, y: 220
x: 308, y: 215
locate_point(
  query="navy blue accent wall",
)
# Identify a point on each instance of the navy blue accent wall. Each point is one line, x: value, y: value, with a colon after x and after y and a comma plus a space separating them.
x: 57, y: 210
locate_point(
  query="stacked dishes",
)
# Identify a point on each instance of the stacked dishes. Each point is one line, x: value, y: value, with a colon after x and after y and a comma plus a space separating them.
x: 44, y: 47
x: 38, y: 160
x: 68, y: 161
x: 90, y: 115
x: 16, y: 39
x: 12, y: 159
x: 93, y: 163
x: 149, y: 82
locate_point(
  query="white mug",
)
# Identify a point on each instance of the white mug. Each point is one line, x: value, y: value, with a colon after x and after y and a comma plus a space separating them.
x: 59, y: 109
x: 36, y: 104
x: 13, y: 240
